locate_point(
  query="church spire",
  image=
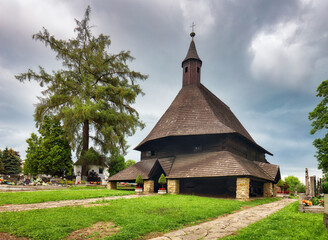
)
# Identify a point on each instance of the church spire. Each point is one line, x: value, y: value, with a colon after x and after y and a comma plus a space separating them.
x: 192, y: 64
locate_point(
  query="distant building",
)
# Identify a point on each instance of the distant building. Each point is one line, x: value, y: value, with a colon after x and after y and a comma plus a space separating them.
x: 96, y: 171
x: 201, y: 146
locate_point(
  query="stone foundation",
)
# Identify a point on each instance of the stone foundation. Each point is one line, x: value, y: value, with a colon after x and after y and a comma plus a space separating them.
x: 173, y: 186
x: 112, y: 185
x: 275, y: 190
x: 149, y: 186
x: 267, y: 189
x: 242, y: 190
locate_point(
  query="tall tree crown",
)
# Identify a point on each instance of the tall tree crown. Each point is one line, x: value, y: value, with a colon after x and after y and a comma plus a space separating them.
x: 94, y: 88
x: 319, y: 118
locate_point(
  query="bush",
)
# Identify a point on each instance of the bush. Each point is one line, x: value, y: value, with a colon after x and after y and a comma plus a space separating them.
x: 324, y: 187
x: 139, y: 180
x: 162, y: 180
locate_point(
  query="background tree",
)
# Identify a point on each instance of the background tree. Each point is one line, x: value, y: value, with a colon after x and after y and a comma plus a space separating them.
x: 11, y: 162
x: 94, y: 90
x: 319, y: 118
x: 281, y: 184
x: 129, y: 163
x: 286, y: 186
x: 35, y: 154
x: 49, y: 153
x: 116, y: 163
x: 2, y: 168
x: 293, y: 183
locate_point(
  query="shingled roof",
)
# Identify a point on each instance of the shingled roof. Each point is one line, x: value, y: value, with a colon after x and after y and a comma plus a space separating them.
x: 143, y: 168
x: 220, y: 164
x: 192, y: 53
x: 190, y: 114
x: 208, y: 164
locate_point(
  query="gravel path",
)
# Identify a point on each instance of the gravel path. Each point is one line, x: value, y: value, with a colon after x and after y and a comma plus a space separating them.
x: 32, y: 206
x: 226, y: 225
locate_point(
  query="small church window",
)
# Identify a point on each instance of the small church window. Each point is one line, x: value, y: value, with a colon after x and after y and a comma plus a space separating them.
x: 186, y: 69
x: 198, y: 69
x: 101, y: 170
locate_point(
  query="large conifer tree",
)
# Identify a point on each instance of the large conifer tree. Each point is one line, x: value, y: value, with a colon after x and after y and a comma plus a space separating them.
x: 94, y: 90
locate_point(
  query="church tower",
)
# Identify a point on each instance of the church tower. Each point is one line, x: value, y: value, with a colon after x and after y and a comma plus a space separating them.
x: 191, y: 65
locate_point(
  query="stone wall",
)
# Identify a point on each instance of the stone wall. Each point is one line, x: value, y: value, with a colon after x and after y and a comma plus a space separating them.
x: 267, y: 189
x: 242, y: 192
x: 173, y: 186
x: 149, y: 186
x: 112, y: 185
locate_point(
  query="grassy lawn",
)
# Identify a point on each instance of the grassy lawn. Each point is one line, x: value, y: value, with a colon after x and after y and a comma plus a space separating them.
x: 57, y: 195
x: 284, y: 225
x: 135, y: 217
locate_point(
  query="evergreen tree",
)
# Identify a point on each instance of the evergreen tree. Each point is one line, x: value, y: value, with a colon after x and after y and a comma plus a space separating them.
x: 11, y: 162
x: 139, y: 180
x: 94, y: 90
x: 2, y: 168
x: 320, y: 122
x: 35, y: 154
x: 162, y: 180
x: 49, y: 153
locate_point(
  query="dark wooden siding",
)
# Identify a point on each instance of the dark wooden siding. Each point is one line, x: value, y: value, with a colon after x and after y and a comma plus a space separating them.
x: 172, y: 146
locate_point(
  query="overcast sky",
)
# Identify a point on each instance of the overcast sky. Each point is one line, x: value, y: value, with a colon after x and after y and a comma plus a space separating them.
x: 264, y: 59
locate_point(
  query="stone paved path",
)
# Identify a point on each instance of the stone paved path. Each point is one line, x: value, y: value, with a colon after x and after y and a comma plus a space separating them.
x: 32, y: 206
x: 226, y: 225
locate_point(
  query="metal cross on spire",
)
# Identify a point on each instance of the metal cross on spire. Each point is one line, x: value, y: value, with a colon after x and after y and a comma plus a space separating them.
x: 193, y: 25
x: 192, y: 34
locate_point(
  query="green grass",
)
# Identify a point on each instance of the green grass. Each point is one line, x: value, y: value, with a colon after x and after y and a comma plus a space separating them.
x: 135, y: 217
x: 287, y: 224
x: 57, y: 195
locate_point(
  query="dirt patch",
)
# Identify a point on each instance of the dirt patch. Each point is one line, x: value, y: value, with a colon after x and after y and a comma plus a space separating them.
x: 7, y: 236
x: 96, y: 231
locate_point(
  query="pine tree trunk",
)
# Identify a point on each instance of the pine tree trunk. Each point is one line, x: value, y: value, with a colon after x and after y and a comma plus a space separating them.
x: 85, y: 146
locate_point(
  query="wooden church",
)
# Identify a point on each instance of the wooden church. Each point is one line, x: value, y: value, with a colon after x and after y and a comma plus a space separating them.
x: 201, y: 146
